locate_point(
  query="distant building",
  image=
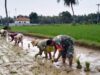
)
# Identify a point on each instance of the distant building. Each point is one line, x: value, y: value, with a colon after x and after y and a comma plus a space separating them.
x: 22, y: 20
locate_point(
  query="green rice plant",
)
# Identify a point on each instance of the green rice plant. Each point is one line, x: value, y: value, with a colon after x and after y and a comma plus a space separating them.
x: 87, y: 66
x: 79, y: 66
x: 84, y: 33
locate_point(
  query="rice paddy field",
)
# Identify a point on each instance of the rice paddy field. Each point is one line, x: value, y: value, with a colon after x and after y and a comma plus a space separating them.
x: 24, y: 63
x: 84, y: 33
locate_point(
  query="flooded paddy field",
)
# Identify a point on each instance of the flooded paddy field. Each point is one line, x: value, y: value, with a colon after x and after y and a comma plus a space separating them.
x: 18, y: 60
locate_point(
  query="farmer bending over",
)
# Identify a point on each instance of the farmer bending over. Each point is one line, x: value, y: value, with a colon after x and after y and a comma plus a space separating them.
x: 64, y: 44
x: 17, y: 37
x: 43, y: 45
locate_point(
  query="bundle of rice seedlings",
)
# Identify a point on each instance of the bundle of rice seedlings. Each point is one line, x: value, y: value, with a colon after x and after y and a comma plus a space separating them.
x: 79, y: 66
x: 87, y: 66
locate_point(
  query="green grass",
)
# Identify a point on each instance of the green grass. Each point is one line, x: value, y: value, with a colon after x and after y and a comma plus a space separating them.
x: 86, y: 33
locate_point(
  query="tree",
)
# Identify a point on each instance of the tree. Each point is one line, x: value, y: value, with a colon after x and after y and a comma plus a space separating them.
x: 7, y: 24
x: 70, y: 3
x: 65, y: 17
x: 92, y: 18
x: 33, y: 17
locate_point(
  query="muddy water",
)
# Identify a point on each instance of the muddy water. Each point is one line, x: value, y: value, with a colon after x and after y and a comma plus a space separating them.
x: 18, y: 60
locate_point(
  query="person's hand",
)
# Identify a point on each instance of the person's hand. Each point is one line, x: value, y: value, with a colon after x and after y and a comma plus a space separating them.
x: 55, y: 60
x: 59, y: 49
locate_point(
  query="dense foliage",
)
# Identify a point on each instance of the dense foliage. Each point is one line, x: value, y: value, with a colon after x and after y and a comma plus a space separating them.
x: 63, y: 17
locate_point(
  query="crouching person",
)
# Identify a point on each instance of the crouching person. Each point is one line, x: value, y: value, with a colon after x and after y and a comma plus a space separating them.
x: 3, y: 32
x: 65, y: 45
x: 17, y: 37
x: 43, y: 46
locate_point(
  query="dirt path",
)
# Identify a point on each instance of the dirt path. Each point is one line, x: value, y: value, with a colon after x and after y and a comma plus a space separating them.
x: 17, y: 60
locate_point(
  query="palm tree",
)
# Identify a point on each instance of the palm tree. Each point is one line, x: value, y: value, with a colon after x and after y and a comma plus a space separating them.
x: 7, y: 24
x: 70, y: 3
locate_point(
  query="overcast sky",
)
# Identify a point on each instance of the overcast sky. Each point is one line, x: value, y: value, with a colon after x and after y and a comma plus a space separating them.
x: 46, y: 7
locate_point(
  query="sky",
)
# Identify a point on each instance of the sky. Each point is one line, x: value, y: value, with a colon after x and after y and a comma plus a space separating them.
x: 46, y: 7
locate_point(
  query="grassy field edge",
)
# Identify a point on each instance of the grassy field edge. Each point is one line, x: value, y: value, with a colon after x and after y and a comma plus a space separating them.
x: 83, y: 43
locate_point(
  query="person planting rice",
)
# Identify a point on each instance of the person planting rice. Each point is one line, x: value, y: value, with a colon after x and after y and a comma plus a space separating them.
x: 43, y: 46
x: 3, y: 32
x: 64, y: 44
x: 17, y: 37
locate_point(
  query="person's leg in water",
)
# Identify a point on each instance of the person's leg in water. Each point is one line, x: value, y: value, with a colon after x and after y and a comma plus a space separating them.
x: 45, y: 52
x: 70, y: 53
x: 64, y: 60
x: 39, y: 53
x: 20, y: 41
x: 16, y: 41
x: 63, y: 54
x: 50, y: 55
x: 70, y: 61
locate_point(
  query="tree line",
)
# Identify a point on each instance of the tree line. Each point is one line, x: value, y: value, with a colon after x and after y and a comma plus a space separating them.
x: 66, y: 17
x: 63, y: 17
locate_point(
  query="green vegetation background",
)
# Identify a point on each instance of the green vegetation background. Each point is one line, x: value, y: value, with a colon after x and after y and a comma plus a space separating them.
x: 84, y: 33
